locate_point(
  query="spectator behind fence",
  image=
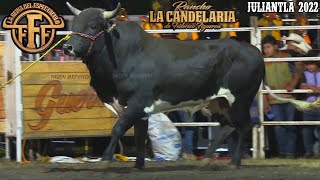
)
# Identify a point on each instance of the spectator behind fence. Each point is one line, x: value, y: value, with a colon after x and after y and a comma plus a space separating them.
x: 188, y: 36
x: 146, y: 25
x: 270, y: 19
x: 301, y: 20
x: 280, y: 75
x: 186, y: 133
x: 311, y: 80
x: 48, y: 57
x: 231, y: 33
x: 297, y: 47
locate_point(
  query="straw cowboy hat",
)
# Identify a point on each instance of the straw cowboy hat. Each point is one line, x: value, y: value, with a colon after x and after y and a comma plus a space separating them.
x: 295, y: 37
x: 299, y: 42
x: 305, y: 47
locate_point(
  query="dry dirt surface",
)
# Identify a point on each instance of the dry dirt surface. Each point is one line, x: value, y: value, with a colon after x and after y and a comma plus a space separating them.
x: 252, y: 169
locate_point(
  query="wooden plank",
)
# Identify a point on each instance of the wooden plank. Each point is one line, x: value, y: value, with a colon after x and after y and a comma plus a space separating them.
x: 33, y: 90
x: 2, y: 79
x: 56, y: 67
x: 70, y: 134
x: 1, y: 105
x: 51, y: 113
x: 2, y: 126
x: 63, y: 78
x: 29, y: 102
x: 1, y: 60
x: 2, y: 114
x: 72, y: 124
x: 1, y: 67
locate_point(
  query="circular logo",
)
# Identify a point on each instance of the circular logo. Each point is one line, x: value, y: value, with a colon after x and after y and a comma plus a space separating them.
x: 33, y: 26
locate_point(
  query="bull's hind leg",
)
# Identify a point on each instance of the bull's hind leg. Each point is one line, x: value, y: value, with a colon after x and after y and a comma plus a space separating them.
x: 236, y: 146
x: 220, y: 106
x: 241, y: 116
x: 140, y: 134
x: 223, y: 133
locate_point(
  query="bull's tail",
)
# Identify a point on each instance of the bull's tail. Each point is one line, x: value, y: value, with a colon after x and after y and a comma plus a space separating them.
x: 300, y: 105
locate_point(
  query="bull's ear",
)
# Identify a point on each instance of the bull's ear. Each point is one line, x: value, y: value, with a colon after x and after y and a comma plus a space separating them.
x: 74, y: 10
x: 112, y: 14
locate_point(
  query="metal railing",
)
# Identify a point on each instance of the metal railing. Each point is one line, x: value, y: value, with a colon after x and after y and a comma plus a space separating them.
x: 259, y: 140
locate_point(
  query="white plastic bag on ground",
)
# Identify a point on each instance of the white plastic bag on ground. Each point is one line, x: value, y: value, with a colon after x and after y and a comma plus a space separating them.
x: 64, y: 159
x: 165, y: 137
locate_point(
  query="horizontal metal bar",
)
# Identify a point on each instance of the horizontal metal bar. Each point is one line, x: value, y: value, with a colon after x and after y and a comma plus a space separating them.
x: 63, y: 32
x: 199, y: 124
x: 288, y: 27
x: 292, y: 20
x: 138, y: 18
x: 293, y: 123
x: 265, y: 123
x: 182, y: 30
x: 218, y: 150
x: 283, y: 91
x: 242, y: 29
x: 66, y: 142
x: 292, y: 59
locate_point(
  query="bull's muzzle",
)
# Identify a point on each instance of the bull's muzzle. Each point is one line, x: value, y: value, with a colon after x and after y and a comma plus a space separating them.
x: 68, y: 50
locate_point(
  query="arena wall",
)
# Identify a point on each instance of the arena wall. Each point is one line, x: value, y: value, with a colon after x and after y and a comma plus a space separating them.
x: 58, y: 102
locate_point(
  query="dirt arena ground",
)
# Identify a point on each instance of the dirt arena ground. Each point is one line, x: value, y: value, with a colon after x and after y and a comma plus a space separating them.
x: 252, y: 169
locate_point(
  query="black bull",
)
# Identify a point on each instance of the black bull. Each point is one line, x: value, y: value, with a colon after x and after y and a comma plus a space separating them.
x: 154, y: 75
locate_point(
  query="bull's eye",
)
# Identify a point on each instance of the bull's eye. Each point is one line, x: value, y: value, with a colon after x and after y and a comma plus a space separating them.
x: 93, y: 27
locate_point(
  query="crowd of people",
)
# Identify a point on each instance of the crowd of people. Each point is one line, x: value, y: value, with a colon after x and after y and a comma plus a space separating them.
x: 290, y: 76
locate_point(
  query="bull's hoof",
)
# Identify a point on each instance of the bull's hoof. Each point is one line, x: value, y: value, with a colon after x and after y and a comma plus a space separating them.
x: 107, y: 158
x: 205, y: 162
x: 105, y: 163
x: 137, y: 168
x: 232, y: 166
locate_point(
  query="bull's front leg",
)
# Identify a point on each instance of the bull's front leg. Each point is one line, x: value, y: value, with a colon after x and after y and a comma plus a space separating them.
x: 132, y: 115
x: 119, y: 129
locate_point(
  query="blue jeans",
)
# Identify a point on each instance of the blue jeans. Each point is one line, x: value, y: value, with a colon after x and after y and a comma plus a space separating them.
x: 308, y: 131
x: 187, y: 138
x: 286, y: 135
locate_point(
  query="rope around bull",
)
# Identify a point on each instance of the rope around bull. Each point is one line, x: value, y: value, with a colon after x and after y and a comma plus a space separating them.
x: 37, y: 60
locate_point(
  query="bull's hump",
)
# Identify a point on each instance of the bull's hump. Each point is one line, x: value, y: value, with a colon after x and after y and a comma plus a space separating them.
x: 191, y: 106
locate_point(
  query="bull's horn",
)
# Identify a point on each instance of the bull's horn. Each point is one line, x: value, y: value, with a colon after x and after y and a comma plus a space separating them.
x: 112, y: 14
x: 74, y: 10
